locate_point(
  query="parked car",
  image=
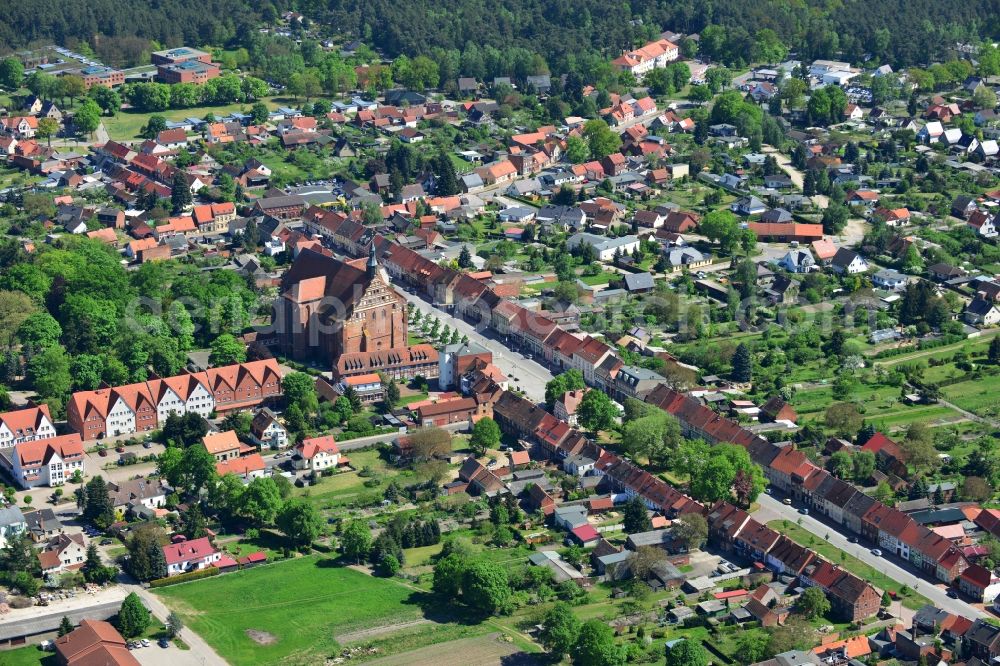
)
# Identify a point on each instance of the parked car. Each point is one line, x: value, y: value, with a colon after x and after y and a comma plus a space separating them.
x: 876, y: 552
x: 852, y: 539
x: 787, y: 501
x: 163, y: 643
x: 952, y: 593
x: 804, y: 511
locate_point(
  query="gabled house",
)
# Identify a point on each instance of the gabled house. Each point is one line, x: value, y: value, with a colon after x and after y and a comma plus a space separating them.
x: 848, y: 262
x: 183, y: 555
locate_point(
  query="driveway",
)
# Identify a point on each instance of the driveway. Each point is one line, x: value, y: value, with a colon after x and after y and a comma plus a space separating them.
x: 773, y: 509
x: 523, y: 374
x: 200, y: 652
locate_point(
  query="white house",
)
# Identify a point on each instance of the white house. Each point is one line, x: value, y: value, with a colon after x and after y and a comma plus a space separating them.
x: 11, y: 523
x: 71, y: 549
x: 191, y: 555
x: 797, y: 261
x: 316, y: 453
x: 931, y: 132
x: 848, y: 261
x: 981, y: 312
x: 47, y: 462
x: 266, y: 430
x: 25, y: 425
x: 605, y: 247
x: 146, y: 492
x: 890, y: 279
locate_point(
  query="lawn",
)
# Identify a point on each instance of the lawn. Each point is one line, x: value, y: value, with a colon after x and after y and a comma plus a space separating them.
x: 977, y: 396
x: 29, y: 655
x: 125, y: 126
x: 835, y: 555
x: 601, y: 278
x: 346, y: 487
x: 295, y: 610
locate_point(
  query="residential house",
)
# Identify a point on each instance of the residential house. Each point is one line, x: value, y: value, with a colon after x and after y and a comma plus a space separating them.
x: 267, y: 431
x: 981, y: 312
x: 184, y: 555
x: 12, y: 523
x: 317, y: 454
x: 248, y: 467
x: 47, y: 462
x: 848, y: 262
x: 93, y: 642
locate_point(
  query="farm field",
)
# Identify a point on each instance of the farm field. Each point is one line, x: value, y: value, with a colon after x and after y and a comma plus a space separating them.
x: 289, y: 612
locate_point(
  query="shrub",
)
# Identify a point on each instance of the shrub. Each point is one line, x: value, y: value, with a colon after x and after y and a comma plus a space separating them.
x: 185, y: 577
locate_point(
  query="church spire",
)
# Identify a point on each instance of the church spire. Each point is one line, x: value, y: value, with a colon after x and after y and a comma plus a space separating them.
x: 372, y: 262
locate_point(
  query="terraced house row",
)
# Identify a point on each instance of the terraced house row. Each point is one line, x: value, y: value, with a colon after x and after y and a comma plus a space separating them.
x: 144, y: 406
x: 789, y: 470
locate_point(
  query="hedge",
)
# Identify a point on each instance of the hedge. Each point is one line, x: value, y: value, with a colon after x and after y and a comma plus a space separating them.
x: 185, y: 577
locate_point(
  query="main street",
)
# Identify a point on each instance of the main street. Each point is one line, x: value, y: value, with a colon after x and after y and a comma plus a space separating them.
x: 772, y: 508
x: 522, y: 373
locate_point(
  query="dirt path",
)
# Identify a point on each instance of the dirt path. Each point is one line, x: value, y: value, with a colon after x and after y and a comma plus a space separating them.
x: 364, y: 634
x: 798, y: 178
x: 485, y: 650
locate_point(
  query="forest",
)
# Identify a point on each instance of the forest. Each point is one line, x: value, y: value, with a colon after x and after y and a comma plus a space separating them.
x: 561, y: 32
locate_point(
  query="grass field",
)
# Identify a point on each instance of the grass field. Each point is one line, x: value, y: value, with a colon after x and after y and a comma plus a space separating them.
x: 877, y: 578
x: 125, y: 126
x: 298, y: 608
x: 977, y: 396
x: 346, y: 487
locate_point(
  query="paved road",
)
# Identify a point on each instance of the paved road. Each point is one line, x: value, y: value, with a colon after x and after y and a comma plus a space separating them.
x: 200, y: 652
x: 523, y: 374
x: 772, y: 508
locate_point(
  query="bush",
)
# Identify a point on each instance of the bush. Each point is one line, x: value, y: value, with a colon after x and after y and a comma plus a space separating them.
x: 185, y: 577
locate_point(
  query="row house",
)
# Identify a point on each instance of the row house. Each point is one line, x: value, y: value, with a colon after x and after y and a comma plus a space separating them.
x: 725, y: 522
x: 26, y: 425
x: 146, y: 405
x: 214, y: 218
x: 788, y: 558
x: 789, y: 470
x: 755, y: 541
x: 851, y: 598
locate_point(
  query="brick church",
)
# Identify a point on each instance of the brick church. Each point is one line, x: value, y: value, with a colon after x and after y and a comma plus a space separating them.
x: 347, y: 314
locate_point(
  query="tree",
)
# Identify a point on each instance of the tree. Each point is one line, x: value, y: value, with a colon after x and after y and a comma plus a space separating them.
x: 427, y: 443
x: 39, y: 331
x: 976, y: 489
x: 154, y: 125
x: 391, y: 398
x: 601, y: 140
x: 448, y: 574
x: 485, y: 435
x: 261, y: 501
x: 560, y: 630
x: 300, y: 522
x: 726, y: 472
x: 98, y: 508
x: 596, y: 646
x: 993, y: 355
x: 197, y: 469
x: 840, y: 464
x: 843, y: 417
x: 569, y: 380
x: 723, y: 227
x: 356, y: 541
x: 227, y: 350
x: 174, y: 624
x: 635, y: 517
x: 65, y: 626
x: 577, y: 150
x: 813, y: 603
x: 485, y: 587
x: 180, y: 192
x: 751, y: 646
x: 193, y: 522
x: 687, y: 653
x: 656, y: 435
x: 109, y: 100
x: 93, y: 568
x: 47, y: 128
x: 918, y: 445
x: 742, y: 364
x: 133, y: 617
x: 300, y: 389
x: 465, y: 258
x: 596, y: 411
x: 48, y: 372
x: 87, y: 117
x: 145, y: 547
x: 984, y: 98
x: 11, y: 73
x: 691, y: 529
x: 864, y: 465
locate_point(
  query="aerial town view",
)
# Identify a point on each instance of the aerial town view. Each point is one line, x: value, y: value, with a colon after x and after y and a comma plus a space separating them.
x: 515, y: 333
